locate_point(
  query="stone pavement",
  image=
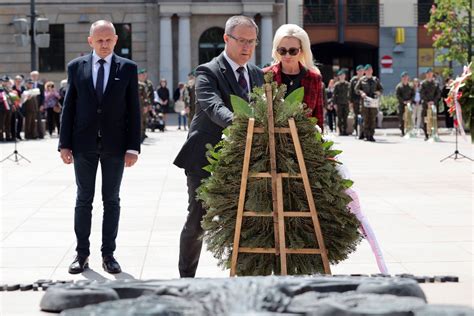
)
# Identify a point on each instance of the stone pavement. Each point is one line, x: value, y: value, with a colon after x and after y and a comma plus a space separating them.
x: 420, y: 209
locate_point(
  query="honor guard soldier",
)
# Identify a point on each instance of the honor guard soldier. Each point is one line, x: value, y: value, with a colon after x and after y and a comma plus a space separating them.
x: 369, y: 87
x: 430, y: 94
x: 341, y: 99
x: 405, y: 93
x: 356, y: 100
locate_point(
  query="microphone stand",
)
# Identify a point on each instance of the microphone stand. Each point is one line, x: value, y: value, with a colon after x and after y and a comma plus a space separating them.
x: 15, y: 156
x: 456, y: 151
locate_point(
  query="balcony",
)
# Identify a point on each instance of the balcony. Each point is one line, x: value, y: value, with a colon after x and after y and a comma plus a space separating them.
x: 314, y: 14
x: 327, y: 13
x: 362, y: 13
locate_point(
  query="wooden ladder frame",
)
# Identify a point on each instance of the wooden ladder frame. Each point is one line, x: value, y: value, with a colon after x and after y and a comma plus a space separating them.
x: 277, y: 196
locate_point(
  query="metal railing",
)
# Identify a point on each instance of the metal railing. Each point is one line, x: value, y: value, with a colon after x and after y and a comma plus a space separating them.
x: 362, y: 13
x: 319, y: 14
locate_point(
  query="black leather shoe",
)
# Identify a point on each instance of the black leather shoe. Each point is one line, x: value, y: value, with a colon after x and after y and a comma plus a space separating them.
x: 79, y: 264
x: 111, y: 265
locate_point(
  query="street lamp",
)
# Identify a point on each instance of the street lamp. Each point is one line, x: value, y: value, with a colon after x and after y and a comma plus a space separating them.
x: 36, y: 34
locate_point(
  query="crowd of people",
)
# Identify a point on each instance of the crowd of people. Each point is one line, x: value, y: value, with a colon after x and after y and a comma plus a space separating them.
x: 361, y: 97
x: 25, y: 103
x: 33, y: 106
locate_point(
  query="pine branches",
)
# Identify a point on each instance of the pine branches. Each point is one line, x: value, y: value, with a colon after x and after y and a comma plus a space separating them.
x: 220, y: 192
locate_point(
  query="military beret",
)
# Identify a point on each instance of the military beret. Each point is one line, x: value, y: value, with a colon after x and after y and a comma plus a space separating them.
x: 368, y: 66
x: 141, y: 71
x: 341, y: 72
x: 429, y: 70
x: 403, y: 74
x: 360, y: 67
x: 29, y: 81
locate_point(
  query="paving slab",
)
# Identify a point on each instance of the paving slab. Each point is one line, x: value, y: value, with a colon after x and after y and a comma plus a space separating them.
x: 420, y: 210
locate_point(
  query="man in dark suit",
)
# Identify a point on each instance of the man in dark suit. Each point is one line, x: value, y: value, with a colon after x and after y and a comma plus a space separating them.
x: 229, y: 73
x: 100, y: 122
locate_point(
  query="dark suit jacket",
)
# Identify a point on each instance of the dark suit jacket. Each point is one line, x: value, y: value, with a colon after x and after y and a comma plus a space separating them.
x: 215, y: 82
x: 117, y: 117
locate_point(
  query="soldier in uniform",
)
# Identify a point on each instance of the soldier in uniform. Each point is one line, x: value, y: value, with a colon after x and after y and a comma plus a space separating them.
x: 7, y: 108
x: 144, y: 97
x: 430, y: 94
x: 30, y: 107
x: 341, y: 99
x: 355, y: 98
x: 405, y: 93
x: 369, y: 86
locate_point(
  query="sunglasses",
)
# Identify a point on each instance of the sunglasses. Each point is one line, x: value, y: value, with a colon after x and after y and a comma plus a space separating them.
x: 293, y: 51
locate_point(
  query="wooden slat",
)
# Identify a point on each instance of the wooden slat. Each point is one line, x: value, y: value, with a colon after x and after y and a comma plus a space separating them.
x: 273, y: 164
x: 256, y: 250
x: 268, y: 175
x: 258, y: 214
x: 281, y: 225
x: 243, y: 189
x: 297, y: 214
x: 304, y: 251
x: 278, y: 130
x: 309, y: 195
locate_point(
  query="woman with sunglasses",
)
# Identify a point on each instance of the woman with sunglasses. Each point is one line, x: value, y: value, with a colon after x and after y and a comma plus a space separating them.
x: 293, y: 66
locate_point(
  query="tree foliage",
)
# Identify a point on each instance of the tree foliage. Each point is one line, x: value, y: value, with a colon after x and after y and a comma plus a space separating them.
x: 449, y: 27
x: 220, y: 192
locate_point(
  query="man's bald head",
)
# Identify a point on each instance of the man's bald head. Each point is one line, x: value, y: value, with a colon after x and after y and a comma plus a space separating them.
x: 100, y: 25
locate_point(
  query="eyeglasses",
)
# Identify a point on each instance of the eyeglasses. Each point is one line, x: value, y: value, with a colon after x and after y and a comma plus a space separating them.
x: 243, y: 41
x: 293, y: 51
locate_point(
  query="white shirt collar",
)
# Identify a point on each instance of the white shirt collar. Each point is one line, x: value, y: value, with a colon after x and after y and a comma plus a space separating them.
x: 232, y: 63
x: 95, y: 58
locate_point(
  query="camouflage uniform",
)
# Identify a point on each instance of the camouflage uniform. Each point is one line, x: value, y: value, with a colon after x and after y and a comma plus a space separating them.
x: 143, y: 96
x: 355, y: 100
x: 405, y: 93
x: 429, y: 92
x: 369, y: 86
x: 190, y: 101
x: 341, y: 99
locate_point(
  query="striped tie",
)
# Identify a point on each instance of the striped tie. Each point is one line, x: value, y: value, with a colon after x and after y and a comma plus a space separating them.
x: 243, y: 81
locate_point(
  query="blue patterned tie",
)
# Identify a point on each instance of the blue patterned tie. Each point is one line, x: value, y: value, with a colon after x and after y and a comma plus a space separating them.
x: 99, y: 85
x: 243, y: 81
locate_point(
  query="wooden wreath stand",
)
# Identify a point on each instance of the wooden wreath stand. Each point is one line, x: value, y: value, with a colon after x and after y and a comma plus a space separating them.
x: 277, y: 196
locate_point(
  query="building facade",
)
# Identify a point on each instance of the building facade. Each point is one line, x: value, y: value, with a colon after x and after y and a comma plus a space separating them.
x: 389, y: 34
x: 168, y: 37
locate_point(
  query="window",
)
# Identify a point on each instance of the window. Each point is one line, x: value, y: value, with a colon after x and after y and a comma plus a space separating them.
x: 51, y: 59
x: 123, y: 47
x: 362, y: 12
x: 424, y: 7
x: 319, y: 12
x: 211, y: 44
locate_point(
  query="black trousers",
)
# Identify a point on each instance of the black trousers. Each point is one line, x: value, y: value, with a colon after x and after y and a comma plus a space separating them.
x: 190, y: 242
x: 85, y: 168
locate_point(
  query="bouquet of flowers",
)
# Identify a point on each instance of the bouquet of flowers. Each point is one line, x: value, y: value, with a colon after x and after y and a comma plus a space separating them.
x: 460, y: 99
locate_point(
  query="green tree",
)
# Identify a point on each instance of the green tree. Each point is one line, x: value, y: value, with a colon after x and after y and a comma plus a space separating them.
x: 450, y: 28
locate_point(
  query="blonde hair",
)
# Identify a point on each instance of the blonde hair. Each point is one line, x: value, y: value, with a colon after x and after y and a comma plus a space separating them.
x: 48, y: 84
x: 293, y: 30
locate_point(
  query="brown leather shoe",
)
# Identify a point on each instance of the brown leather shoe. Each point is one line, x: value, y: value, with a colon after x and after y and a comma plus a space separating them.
x: 111, y: 265
x: 79, y: 264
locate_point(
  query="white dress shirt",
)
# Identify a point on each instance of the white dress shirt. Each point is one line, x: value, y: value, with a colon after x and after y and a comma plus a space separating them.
x: 96, y: 66
x: 236, y: 66
x: 95, y: 70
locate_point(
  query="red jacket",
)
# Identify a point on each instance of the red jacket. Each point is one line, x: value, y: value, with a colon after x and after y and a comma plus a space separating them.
x: 313, y: 93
